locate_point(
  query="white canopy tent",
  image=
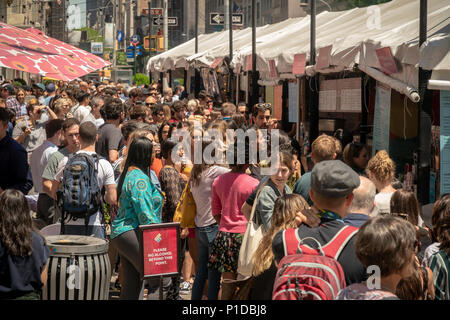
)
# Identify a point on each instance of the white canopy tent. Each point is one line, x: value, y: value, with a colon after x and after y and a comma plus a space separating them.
x: 354, y: 36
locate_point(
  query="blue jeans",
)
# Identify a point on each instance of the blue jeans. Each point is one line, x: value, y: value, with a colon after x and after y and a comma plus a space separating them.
x: 205, y: 237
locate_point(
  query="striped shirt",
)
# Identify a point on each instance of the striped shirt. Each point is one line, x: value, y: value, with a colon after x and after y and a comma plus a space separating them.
x: 440, y: 266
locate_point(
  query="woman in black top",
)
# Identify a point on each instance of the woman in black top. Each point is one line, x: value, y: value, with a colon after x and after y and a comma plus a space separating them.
x: 404, y: 204
x: 23, y: 252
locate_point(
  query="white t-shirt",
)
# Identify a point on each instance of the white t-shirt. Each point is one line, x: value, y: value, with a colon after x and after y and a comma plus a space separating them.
x: 105, y: 178
x: 202, y: 195
x: 382, y: 203
x: 90, y: 117
x: 38, y: 161
x: 81, y: 112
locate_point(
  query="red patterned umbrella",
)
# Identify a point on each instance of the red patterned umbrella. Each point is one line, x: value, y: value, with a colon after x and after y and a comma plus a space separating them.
x: 32, y: 51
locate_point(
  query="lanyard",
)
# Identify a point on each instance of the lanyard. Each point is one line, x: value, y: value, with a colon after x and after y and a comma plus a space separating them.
x: 329, y: 215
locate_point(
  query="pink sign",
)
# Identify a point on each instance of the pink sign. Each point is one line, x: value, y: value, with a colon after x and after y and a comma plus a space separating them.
x: 216, y: 63
x: 273, y: 73
x: 298, y: 68
x: 160, y: 249
x: 323, y: 60
x: 249, y: 63
x: 386, y: 60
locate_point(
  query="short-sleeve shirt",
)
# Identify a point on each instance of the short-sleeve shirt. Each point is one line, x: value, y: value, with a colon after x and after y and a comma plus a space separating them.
x: 140, y: 203
x: 21, y: 275
x: 53, y: 162
x: 38, y: 162
x: 440, y: 266
x: 35, y: 138
x: 105, y: 177
x: 109, y: 138
x: 81, y: 113
x: 202, y: 195
x: 229, y: 192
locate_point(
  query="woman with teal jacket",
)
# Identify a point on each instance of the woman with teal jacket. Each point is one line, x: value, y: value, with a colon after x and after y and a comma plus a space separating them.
x: 140, y: 203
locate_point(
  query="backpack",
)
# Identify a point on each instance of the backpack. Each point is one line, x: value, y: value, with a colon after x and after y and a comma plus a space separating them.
x: 81, y: 194
x: 305, y: 273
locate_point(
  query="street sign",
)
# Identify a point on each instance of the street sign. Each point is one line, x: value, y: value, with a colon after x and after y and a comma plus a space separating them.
x: 135, y: 38
x: 120, y: 35
x: 153, y: 11
x: 216, y: 18
x: 171, y: 21
x: 97, y: 47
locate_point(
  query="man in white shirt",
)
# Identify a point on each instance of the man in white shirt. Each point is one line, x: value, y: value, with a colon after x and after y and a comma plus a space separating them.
x: 96, y: 226
x: 95, y: 115
x: 83, y: 109
x: 38, y: 161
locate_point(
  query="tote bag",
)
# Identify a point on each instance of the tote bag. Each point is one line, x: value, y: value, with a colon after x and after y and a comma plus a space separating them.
x: 250, y: 242
x: 186, y: 209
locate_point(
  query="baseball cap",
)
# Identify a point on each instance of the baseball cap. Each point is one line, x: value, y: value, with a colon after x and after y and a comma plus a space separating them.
x: 334, y: 179
x: 8, y: 86
x: 40, y: 86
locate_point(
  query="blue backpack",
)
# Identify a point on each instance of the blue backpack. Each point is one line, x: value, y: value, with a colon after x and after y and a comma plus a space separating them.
x: 81, y: 193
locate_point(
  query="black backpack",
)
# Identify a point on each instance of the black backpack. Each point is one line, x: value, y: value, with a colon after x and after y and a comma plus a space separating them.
x: 81, y: 194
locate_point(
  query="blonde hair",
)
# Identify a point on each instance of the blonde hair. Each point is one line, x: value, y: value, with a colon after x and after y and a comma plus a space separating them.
x: 325, y: 147
x: 382, y: 167
x: 283, y: 217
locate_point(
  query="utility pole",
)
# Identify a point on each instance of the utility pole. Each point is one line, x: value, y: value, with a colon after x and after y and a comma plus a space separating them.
x: 425, y: 118
x: 226, y: 10
x: 314, y: 104
x: 255, y: 90
x: 197, y: 73
x: 230, y: 22
x: 114, y: 31
x: 150, y: 28
x: 166, y: 25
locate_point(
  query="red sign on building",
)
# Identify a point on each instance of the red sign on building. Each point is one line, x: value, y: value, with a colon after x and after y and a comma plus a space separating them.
x: 298, y: 68
x: 386, y: 60
x: 160, y: 247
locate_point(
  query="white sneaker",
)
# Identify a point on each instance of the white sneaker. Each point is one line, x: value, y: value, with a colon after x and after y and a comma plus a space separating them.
x: 185, y: 287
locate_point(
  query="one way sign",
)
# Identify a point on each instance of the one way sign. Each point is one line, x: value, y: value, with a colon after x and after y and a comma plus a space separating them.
x: 171, y: 21
x: 216, y: 18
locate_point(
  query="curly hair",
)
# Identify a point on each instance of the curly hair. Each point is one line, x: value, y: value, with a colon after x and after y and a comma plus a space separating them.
x: 16, y: 224
x: 381, y: 166
x: 440, y: 222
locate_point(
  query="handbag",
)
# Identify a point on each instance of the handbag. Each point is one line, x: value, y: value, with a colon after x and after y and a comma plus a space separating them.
x: 250, y: 242
x: 186, y: 209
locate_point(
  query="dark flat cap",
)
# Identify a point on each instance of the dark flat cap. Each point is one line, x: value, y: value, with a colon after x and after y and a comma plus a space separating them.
x: 334, y: 179
x: 426, y: 213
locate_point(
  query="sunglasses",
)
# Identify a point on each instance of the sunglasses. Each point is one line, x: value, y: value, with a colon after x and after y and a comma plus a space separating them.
x: 150, y: 104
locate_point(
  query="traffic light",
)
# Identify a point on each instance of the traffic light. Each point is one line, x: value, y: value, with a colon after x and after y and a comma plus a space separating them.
x: 160, y: 44
x: 147, y: 43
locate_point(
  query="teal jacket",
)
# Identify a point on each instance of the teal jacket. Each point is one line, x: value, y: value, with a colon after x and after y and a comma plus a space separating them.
x: 140, y: 203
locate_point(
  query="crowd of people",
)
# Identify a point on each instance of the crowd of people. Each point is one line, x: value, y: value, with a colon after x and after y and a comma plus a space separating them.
x: 134, y: 135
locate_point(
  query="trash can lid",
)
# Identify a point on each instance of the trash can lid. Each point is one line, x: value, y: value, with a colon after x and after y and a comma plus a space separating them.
x: 76, y: 245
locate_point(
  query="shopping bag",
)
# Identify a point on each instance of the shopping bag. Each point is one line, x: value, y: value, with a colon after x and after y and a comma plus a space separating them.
x: 252, y: 238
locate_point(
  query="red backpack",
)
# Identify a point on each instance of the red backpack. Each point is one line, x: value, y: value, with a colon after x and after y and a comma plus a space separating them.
x: 305, y: 273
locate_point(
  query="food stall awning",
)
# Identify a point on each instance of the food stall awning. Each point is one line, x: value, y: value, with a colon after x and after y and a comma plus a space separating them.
x: 32, y: 51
